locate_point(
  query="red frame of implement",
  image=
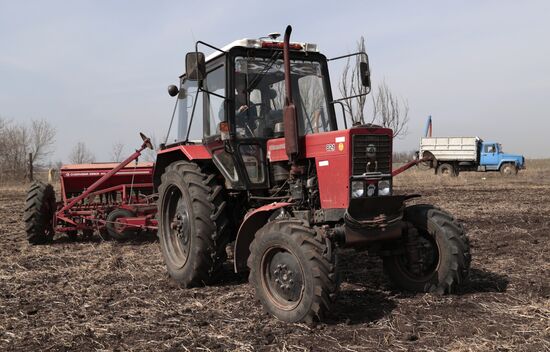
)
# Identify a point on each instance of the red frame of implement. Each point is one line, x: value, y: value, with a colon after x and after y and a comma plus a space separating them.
x: 104, y: 181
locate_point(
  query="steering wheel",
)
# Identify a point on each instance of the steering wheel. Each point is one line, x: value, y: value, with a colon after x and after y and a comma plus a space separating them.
x: 248, y: 119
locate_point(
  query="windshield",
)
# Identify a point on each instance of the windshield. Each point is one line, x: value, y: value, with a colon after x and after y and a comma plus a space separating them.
x: 260, y: 96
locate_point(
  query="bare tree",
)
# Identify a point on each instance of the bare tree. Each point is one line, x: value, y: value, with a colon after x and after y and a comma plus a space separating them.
x: 350, y: 85
x: 3, y: 140
x: 42, y: 139
x: 14, y: 141
x: 81, y: 155
x: 17, y: 140
x: 116, y: 151
x: 389, y: 111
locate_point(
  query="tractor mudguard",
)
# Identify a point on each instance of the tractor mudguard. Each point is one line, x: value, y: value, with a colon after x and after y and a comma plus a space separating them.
x: 179, y: 152
x: 252, y: 222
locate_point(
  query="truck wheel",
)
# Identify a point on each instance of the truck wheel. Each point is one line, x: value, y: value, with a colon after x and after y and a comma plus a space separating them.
x: 447, y: 170
x: 40, y: 207
x: 436, y: 252
x: 193, y: 226
x: 508, y: 170
x: 293, y: 271
x: 116, y: 230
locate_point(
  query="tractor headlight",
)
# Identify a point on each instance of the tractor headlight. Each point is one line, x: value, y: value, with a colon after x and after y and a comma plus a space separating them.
x: 384, y: 188
x: 357, y: 189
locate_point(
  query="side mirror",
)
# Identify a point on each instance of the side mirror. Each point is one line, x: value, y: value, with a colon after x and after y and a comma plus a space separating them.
x: 195, y: 66
x: 364, y: 73
x: 173, y: 90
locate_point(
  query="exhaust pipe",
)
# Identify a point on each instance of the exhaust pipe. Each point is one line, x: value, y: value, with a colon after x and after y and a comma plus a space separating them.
x: 290, y: 120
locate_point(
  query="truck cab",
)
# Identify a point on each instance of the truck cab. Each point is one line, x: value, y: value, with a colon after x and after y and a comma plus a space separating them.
x: 492, y: 157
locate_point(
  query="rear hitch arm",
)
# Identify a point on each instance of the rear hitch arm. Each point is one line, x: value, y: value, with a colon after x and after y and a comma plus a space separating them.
x: 96, y: 184
x: 409, y: 165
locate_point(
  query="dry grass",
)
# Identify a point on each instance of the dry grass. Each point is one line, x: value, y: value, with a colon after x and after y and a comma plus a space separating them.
x: 108, y: 296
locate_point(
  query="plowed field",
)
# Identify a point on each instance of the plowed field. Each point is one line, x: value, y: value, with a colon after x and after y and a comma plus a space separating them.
x: 103, y: 295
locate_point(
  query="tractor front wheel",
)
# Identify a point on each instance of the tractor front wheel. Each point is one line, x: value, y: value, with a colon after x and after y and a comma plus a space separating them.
x: 193, y: 226
x: 435, y: 252
x: 40, y: 207
x: 293, y: 271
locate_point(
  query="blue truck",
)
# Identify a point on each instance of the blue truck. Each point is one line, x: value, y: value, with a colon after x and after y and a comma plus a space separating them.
x: 451, y: 155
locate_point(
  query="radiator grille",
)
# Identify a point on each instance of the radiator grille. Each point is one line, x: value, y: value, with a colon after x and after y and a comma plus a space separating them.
x: 373, y: 150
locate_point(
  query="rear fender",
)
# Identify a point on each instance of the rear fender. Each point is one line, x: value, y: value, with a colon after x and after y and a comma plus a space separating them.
x: 252, y: 222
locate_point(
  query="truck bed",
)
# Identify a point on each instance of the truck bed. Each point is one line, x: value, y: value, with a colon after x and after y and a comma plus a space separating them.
x: 451, y: 148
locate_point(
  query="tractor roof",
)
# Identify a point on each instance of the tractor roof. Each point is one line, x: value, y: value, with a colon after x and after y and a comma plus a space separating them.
x: 263, y: 43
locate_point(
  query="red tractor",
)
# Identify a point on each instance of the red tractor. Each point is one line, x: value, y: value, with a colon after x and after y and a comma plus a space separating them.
x: 260, y: 161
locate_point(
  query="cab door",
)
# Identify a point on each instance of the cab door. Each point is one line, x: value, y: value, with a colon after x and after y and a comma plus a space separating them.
x: 213, y: 112
x: 489, y: 156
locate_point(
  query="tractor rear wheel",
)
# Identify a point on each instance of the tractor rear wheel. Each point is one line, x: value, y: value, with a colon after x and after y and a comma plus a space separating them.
x: 293, y: 271
x: 40, y: 207
x: 435, y: 252
x: 119, y: 231
x: 193, y: 226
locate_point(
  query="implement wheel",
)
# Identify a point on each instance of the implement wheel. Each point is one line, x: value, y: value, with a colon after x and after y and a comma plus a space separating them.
x: 293, y: 271
x: 40, y: 208
x: 119, y: 231
x: 435, y: 252
x: 193, y: 226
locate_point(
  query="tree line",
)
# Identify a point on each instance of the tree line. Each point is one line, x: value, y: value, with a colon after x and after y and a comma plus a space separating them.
x: 24, y: 144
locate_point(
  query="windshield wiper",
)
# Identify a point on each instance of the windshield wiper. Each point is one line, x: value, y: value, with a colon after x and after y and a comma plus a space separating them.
x: 257, y: 78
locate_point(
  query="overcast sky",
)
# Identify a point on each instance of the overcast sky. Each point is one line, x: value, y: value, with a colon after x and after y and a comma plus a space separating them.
x: 98, y: 70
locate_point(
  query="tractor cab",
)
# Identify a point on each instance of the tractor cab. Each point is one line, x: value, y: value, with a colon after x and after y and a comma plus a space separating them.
x: 233, y: 103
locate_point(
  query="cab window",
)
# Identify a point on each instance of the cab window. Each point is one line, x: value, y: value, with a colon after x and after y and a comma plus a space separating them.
x: 190, y: 95
x: 214, y: 104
